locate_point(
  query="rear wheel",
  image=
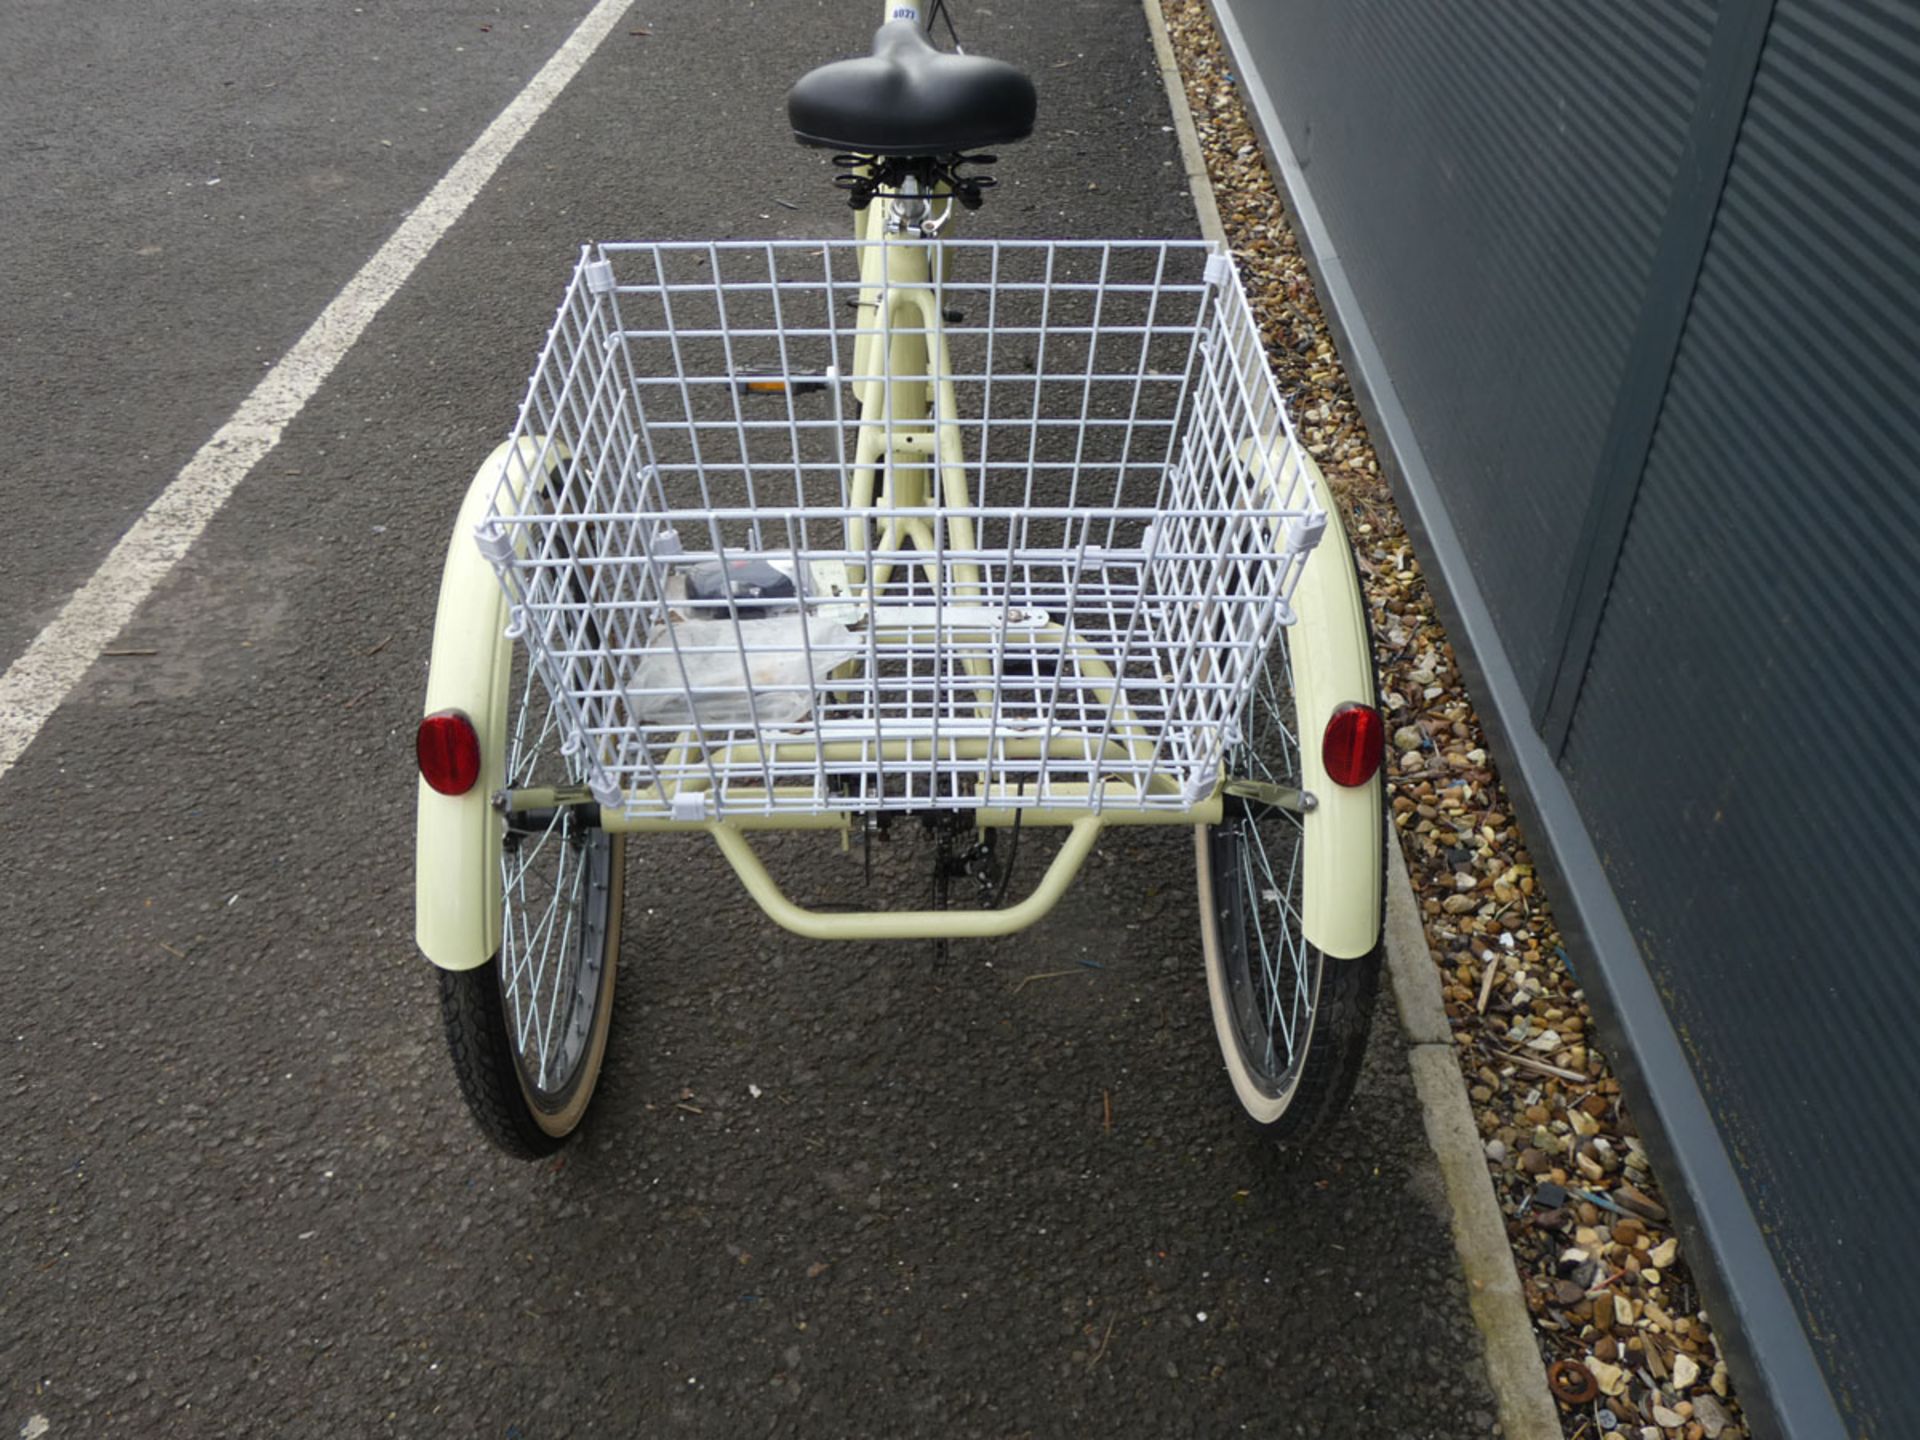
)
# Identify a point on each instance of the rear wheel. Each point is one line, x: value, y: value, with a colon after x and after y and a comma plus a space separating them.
x: 528, y: 1030
x: 1292, y: 1021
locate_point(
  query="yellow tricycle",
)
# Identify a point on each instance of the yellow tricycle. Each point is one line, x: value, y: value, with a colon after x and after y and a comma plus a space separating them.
x: 800, y: 535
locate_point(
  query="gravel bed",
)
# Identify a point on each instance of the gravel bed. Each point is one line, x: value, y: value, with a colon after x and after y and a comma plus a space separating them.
x: 1615, y: 1311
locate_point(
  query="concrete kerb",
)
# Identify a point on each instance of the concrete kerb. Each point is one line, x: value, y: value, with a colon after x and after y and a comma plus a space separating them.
x: 1519, y: 1380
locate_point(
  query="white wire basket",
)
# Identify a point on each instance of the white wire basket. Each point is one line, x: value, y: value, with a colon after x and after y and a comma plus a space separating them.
x: 695, y: 539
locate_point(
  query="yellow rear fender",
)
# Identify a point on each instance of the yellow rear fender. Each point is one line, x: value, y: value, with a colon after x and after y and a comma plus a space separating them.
x: 1333, y: 666
x: 457, y: 837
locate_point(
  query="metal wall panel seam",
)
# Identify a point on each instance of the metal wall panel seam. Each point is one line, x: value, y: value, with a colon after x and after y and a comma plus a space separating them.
x: 1739, y: 35
x: 1781, y: 1384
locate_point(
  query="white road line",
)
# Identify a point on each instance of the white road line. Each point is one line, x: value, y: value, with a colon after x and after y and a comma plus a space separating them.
x: 46, y: 672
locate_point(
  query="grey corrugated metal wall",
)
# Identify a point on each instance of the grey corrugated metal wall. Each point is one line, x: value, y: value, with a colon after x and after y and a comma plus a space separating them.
x: 1635, y: 289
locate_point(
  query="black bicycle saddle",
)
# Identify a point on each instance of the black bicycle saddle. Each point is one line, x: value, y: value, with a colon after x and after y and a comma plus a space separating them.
x: 908, y: 98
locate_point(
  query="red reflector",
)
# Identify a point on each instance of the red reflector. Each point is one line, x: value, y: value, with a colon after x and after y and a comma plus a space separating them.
x: 449, y: 752
x: 1354, y: 745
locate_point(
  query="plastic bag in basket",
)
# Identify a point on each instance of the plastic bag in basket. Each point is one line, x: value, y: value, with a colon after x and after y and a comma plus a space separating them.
x: 699, y: 673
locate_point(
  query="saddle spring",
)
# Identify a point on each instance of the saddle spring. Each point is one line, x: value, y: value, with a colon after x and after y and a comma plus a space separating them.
x: 870, y: 177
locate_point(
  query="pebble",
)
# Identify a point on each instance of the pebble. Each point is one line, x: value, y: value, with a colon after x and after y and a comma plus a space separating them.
x: 1638, y: 1201
x: 1713, y: 1419
x: 1611, y: 1378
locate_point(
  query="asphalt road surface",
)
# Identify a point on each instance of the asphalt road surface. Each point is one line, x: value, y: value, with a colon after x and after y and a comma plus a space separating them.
x: 238, y: 1191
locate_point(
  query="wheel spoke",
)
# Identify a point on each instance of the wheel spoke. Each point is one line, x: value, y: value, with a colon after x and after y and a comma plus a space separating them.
x: 567, y: 943
x: 1271, y: 967
x: 548, y: 961
x: 539, y: 945
x: 529, y: 855
x: 1251, y: 889
x: 1270, y: 892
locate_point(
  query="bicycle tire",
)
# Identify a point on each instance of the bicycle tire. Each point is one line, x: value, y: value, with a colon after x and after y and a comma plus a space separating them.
x: 1242, y: 898
x: 473, y: 1013
x: 527, y: 1031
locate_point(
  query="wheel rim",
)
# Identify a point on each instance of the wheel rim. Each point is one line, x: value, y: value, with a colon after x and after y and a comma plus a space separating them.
x: 1270, y: 973
x: 554, y: 884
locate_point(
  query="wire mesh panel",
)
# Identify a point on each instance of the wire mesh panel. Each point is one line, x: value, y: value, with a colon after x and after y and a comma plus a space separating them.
x: 784, y: 536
